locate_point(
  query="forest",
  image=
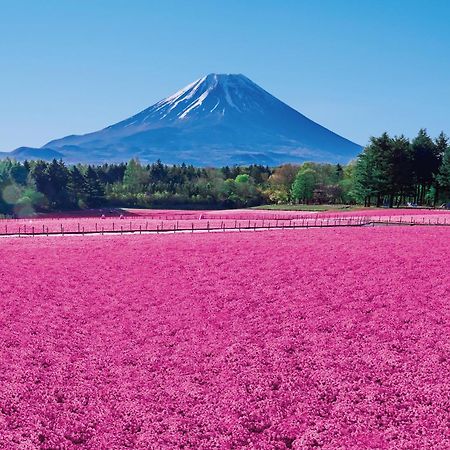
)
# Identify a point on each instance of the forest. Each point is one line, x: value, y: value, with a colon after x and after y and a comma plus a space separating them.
x: 390, y: 172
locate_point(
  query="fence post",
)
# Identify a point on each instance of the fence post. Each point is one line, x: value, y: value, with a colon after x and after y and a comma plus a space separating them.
x: 192, y: 226
x: 96, y: 229
x: 47, y: 231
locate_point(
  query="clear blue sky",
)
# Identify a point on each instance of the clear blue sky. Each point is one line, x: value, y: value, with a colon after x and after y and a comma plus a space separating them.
x: 356, y: 67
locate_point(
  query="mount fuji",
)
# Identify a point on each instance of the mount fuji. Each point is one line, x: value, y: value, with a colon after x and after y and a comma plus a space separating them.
x: 216, y: 120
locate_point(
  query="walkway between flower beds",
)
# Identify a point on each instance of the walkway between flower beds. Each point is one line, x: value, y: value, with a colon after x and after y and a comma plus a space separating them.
x: 238, y: 227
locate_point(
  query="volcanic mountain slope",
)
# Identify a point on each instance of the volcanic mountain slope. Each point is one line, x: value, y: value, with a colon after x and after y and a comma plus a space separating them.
x: 214, y: 121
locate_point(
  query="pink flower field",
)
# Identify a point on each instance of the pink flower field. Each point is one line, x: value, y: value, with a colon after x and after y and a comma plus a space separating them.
x: 331, y: 338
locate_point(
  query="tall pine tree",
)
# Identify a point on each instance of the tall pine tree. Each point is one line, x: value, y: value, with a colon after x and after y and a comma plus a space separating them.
x: 425, y: 163
x: 443, y: 176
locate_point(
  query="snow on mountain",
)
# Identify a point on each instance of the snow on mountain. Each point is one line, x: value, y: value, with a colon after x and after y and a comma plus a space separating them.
x: 216, y: 120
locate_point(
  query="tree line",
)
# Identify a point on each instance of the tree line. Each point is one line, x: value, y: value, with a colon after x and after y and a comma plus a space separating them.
x: 396, y: 170
x: 54, y: 186
x: 390, y: 171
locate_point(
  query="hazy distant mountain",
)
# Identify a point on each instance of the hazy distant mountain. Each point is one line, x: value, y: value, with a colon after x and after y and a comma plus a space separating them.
x: 23, y: 153
x: 216, y: 120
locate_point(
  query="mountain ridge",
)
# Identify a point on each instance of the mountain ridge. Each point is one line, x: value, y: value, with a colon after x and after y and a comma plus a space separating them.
x: 219, y: 119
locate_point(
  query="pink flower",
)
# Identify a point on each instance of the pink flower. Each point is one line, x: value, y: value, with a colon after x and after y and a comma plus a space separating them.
x: 331, y: 338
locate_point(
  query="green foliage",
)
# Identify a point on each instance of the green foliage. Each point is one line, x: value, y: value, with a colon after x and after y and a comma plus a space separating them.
x: 243, y: 178
x: 443, y: 176
x: 280, y: 183
x: 304, y: 185
x: 77, y: 188
x: 389, y: 171
x: 136, y: 177
x: 339, y: 173
x: 94, y: 189
x: 397, y: 171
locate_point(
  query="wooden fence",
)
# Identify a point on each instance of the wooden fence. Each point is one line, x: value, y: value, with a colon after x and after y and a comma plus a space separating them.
x: 173, y: 226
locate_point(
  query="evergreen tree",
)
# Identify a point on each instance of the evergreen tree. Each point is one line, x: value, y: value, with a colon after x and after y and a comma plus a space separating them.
x: 425, y: 163
x: 77, y: 188
x: 58, y: 176
x: 371, y: 173
x: 443, y: 176
x: 363, y: 179
x: 399, y: 170
x: 135, y: 177
x: 158, y: 172
x: 441, y: 149
x: 41, y: 179
x: 339, y: 173
x: 94, y: 190
x: 18, y: 173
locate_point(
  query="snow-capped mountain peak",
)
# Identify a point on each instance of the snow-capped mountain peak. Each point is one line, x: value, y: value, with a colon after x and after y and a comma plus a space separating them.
x: 217, y: 119
x: 214, y: 93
